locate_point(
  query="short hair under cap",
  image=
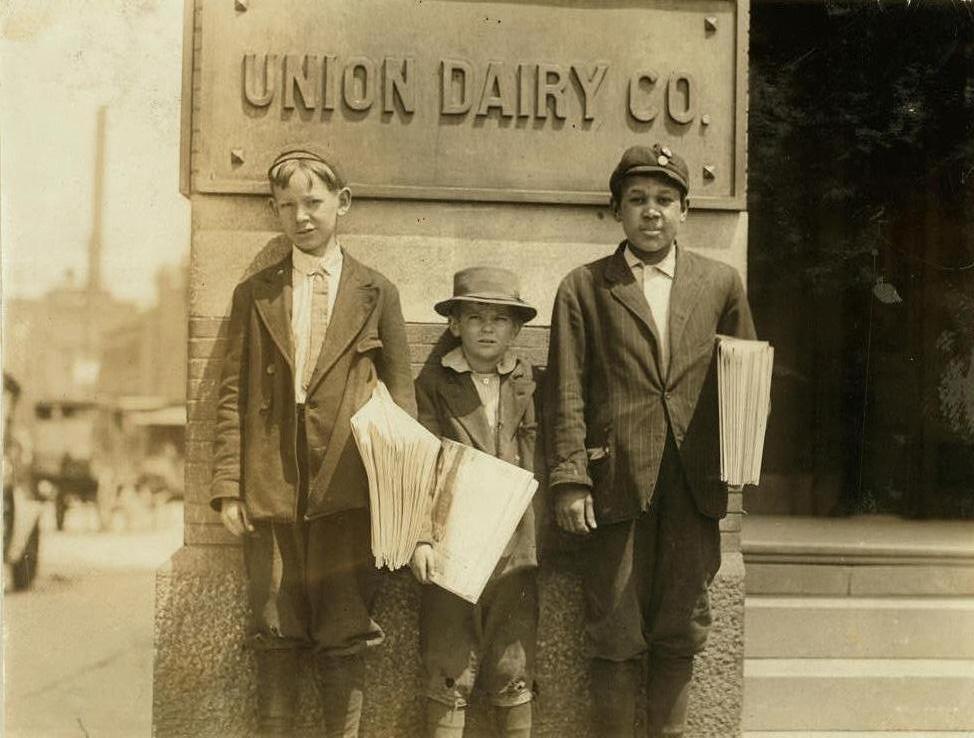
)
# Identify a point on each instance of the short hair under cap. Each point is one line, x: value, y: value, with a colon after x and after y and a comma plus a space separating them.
x: 655, y: 159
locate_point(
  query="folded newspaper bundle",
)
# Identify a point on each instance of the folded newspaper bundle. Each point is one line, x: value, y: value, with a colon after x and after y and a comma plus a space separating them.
x: 418, y: 483
x: 744, y: 391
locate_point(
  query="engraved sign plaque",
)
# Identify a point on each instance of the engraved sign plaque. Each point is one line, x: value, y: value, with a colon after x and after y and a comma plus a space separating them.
x: 491, y: 101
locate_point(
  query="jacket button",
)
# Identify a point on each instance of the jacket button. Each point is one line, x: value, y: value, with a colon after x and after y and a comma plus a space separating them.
x: 668, y: 395
x: 270, y: 369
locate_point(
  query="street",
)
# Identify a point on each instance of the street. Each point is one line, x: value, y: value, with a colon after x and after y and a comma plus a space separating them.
x: 78, y: 647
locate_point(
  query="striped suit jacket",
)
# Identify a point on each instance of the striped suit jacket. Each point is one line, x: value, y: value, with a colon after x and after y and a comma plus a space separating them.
x: 609, y: 403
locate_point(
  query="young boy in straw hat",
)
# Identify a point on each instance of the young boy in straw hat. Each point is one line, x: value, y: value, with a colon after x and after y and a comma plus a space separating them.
x: 482, y: 394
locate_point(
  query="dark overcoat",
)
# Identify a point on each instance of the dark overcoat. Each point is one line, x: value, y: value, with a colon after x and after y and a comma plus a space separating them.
x: 255, y: 451
x: 450, y: 407
x: 610, y: 404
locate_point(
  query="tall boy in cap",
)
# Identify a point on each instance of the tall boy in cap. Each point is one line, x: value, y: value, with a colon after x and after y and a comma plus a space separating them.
x: 633, y: 447
x: 482, y: 394
x: 307, y: 339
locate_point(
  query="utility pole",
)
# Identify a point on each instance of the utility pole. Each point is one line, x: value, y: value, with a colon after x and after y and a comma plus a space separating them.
x: 87, y: 368
x: 98, y: 196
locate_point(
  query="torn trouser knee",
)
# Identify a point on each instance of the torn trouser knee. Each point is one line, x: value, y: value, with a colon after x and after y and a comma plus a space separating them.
x: 493, y: 642
x: 454, y: 692
x: 518, y: 691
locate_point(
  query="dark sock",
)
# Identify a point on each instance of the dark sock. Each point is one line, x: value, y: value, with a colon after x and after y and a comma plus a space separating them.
x: 614, y: 687
x: 277, y: 692
x: 341, y: 681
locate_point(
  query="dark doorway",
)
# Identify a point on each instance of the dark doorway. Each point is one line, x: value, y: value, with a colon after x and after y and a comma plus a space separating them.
x: 861, y: 254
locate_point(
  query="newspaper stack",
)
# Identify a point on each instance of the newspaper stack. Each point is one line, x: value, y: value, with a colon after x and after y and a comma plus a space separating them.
x: 399, y: 455
x: 744, y: 389
x: 478, y: 503
x: 467, y: 501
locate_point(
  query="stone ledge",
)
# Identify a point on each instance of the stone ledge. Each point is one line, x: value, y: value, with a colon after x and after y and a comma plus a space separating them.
x: 204, y: 684
x: 860, y: 556
x: 862, y: 539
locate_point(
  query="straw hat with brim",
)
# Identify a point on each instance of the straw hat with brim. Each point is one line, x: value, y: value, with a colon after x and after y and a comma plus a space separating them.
x: 491, y: 285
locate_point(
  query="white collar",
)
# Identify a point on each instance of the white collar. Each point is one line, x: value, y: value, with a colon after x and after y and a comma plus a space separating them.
x: 308, y: 264
x: 667, y: 265
x: 457, y: 361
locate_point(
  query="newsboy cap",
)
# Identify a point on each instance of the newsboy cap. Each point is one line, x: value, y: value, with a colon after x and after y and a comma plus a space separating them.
x: 492, y: 285
x: 655, y: 159
x: 306, y: 152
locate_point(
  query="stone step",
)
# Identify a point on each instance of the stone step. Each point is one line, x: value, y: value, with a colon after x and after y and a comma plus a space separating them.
x: 858, y: 539
x: 859, y: 627
x: 867, y: 556
x: 841, y: 580
x: 810, y: 695
x: 855, y: 734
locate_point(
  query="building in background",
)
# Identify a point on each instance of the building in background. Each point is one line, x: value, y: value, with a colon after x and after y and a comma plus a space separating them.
x: 78, y: 342
x: 53, y: 343
x: 144, y: 356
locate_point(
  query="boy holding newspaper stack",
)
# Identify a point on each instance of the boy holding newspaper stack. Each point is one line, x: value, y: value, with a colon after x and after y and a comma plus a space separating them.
x: 308, y: 338
x: 633, y: 444
x: 482, y: 394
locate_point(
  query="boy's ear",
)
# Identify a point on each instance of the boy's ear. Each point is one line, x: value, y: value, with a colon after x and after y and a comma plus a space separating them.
x: 684, y: 208
x: 272, y: 204
x: 454, y: 326
x: 614, y: 206
x: 344, y: 200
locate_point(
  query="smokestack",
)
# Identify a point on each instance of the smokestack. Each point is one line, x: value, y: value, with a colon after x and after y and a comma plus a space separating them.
x: 94, y: 246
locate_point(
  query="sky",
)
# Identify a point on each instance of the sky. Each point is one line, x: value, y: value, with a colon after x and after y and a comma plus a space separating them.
x: 59, y: 61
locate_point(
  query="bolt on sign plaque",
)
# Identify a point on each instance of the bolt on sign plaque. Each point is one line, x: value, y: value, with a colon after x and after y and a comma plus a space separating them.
x: 459, y: 100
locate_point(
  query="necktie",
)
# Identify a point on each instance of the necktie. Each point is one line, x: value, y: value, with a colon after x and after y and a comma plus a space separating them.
x: 317, y: 325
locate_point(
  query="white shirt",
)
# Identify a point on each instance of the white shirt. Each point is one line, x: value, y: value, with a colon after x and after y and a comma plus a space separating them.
x: 657, y: 282
x: 303, y: 268
x: 488, y: 384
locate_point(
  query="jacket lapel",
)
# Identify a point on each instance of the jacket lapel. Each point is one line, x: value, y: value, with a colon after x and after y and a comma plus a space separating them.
x: 517, y: 391
x: 356, y: 299
x: 272, y: 296
x: 461, y: 397
x: 687, y: 284
x: 625, y: 289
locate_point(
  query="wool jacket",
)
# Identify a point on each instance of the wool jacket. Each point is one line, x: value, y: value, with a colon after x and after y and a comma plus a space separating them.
x: 610, y: 404
x: 255, y: 451
x: 450, y: 407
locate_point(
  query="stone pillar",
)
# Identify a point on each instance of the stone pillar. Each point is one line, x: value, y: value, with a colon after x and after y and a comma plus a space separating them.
x: 717, y: 696
x: 520, y: 217
x: 204, y: 677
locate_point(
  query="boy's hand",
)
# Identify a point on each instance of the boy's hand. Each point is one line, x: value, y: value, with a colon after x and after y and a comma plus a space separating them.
x: 423, y: 563
x: 233, y: 515
x: 574, y: 509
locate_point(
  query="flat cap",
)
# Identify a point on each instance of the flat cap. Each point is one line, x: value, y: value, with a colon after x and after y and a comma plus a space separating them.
x: 305, y: 152
x: 655, y: 159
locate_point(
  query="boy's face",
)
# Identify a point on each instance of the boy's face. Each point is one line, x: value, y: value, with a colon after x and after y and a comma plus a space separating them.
x: 651, y: 210
x: 485, y: 331
x: 308, y: 212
